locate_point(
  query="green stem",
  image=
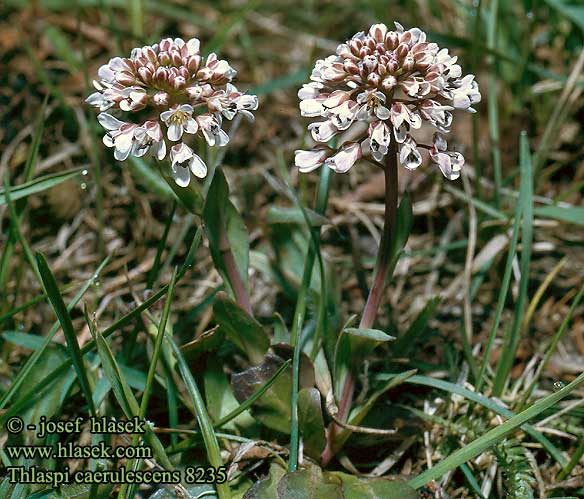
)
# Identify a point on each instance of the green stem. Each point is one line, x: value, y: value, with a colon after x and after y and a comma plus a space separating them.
x: 299, y: 313
x: 572, y: 463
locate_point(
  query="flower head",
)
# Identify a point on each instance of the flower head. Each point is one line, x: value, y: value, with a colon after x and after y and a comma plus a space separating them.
x: 181, y: 95
x: 394, y: 81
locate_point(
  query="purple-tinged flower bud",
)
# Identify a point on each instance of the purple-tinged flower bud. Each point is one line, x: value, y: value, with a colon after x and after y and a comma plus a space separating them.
x: 408, y: 63
x: 391, y: 40
x: 350, y: 67
x: 377, y: 32
x: 401, y: 51
x: 389, y: 83
x: 125, y: 78
x: 164, y: 59
x: 145, y: 74
x: 161, y: 99
x: 373, y: 79
x: 194, y: 63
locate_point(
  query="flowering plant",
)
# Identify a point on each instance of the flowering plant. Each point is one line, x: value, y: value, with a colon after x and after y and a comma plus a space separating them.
x: 393, y: 82
x: 180, y: 94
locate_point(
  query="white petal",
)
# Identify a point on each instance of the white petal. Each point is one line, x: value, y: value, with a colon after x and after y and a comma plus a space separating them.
x: 221, y: 138
x: 307, y: 161
x: 382, y: 112
x: 193, y: 46
x: 191, y: 126
x: 122, y: 155
x: 198, y: 167
x: 161, y: 153
x: 175, y: 132
x: 345, y: 158
x: 181, y: 175
x: 109, y: 122
x: 165, y: 115
x: 310, y: 108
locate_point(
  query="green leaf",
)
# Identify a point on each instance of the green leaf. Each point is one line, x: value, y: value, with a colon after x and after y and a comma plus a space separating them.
x: 39, y: 185
x: 149, y: 177
x: 373, y: 488
x: 573, y: 214
x: 266, y: 487
x: 241, y: 328
x: 573, y: 11
x: 222, y: 218
x: 311, y: 422
x: 50, y: 403
x: 279, y: 215
x: 311, y: 482
x: 273, y: 407
x: 52, y: 290
x: 24, y: 340
x: 407, y: 341
x: 405, y: 219
x: 308, y: 484
x: 219, y: 395
x: 247, y: 403
x: 190, y: 196
x: 370, y: 334
x: 207, y: 431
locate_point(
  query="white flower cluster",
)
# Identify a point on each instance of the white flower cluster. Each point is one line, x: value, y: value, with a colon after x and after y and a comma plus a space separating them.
x: 179, y: 93
x: 394, y: 81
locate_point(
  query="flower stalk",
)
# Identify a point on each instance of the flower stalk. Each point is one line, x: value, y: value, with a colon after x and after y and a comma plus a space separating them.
x: 375, y: 293
x: 384, y: 253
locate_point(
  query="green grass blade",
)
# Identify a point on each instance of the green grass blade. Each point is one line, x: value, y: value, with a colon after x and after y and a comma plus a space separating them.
x: 122, y: 390
x: 153, y: 273
x: 32, y: 360
x: 487, y: 403
x: 511, y: 340
x: 552, y: 347
x: 492, y: 101
x: 127, y: 490
x: 39, y: 185
x: 39, y: 389
x: 207, y: 431
x: 493, y: 436
x: 15, y: 221
x: 62, y: 313
x: 300, y: 310
x: 504, y: 289
x: 157, y: 346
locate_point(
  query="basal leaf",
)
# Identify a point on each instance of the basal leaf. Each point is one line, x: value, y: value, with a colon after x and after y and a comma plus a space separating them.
x: 311, y: 422
x: 221, y: 219
x: 240, y: 328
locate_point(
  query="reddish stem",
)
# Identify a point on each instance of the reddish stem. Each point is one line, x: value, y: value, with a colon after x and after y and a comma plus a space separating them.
x: 375, y: 293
